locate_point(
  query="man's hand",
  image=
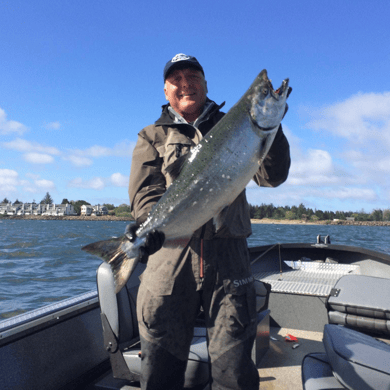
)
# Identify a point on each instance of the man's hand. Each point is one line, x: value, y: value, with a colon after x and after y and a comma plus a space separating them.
x: 154, y: 241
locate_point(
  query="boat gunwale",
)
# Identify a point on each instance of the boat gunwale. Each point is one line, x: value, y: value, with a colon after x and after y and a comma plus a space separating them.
x: 38, y: 319
x: 374, y: 255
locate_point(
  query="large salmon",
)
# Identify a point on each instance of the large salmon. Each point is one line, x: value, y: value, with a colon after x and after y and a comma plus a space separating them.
x: 209, y: 178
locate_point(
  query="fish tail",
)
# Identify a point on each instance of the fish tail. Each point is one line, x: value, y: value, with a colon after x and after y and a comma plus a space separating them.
x: 120, y: 253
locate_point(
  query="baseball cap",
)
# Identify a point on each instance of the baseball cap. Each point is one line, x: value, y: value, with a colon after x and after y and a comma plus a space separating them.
x: 181, y: 61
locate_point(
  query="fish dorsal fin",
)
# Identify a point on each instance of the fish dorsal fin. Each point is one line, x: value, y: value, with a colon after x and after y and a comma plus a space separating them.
x: 175, y: 168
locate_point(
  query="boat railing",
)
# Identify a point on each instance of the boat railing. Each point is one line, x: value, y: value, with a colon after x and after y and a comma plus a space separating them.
x: 52, y: 312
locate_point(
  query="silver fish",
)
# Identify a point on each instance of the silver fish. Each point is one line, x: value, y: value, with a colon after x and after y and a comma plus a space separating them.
x: 209, y: 178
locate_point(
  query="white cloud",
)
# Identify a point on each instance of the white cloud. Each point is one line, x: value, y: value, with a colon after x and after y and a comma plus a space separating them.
x: 98, y: 151
x: 341, y: 193
x: 96, y: 183
x: 79, y: 161
x: 41, y: 154
x: 45, y: 184
x: 38, y: 158
x: 11, y: 183
x: 313, y: 168
x: 361, y: 118
x: 53, y: 125
x: 32, y: 176
x: 122, y: 149
x: 84, y: 158
x: 372, y: 165
x: 9, y: 180
x: 22, y: 145
x: 10, y: 126
x: 119, y: 180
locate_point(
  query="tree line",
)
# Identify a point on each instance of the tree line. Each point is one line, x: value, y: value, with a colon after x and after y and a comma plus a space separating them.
x: 302, y: 212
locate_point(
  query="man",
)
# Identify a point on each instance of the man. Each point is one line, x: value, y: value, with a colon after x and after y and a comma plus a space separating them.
x: 177, y: 283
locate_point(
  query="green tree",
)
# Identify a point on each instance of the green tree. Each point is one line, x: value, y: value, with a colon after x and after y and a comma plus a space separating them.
x: 386, y: 215
x: 377, y: 215
x: 109, y: 206
x: 294, y: 210
x: 340, y: 215
x: 5, y: 200
x: 47, y: 199
x: 279, y: 213
x: 314, y: 218
x: 290, y: 215
x: 65, y: 201
x: 301, y: 210
x: 123, y: 211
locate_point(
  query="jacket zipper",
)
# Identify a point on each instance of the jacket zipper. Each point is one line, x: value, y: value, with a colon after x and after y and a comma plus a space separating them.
x: 201, y: 260
x: 201, y: 271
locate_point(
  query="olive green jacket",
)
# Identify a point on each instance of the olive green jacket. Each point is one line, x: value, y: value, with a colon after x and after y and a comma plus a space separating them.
x: 170, y: 137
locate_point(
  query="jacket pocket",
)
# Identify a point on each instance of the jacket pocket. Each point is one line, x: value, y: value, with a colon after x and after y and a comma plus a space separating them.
x: 176, y: 145
x: 240, y: 307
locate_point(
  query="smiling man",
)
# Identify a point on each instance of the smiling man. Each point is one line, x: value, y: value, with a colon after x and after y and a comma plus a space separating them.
x: 178, y: 282
x: 186, y: 90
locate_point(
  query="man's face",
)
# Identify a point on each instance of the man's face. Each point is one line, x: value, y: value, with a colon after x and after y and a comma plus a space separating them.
x: 186, y: 91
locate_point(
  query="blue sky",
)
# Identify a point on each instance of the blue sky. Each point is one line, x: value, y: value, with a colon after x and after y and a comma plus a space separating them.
x: 80, y: 79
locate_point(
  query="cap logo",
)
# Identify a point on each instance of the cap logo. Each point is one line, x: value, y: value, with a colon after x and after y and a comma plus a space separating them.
x: 180, y: 57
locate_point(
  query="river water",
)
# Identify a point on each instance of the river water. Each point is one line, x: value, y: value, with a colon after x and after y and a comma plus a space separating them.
x: 42, y: 262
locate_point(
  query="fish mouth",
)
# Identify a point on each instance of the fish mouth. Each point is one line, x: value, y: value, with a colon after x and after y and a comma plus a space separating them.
x: 283, y: 91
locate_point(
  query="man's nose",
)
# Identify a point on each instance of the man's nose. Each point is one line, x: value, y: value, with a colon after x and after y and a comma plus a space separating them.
x: 186, y: 82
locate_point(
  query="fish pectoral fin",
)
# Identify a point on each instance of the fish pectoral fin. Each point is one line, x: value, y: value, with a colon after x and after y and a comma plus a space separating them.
x: 175, y: 168
x: 219, y: 220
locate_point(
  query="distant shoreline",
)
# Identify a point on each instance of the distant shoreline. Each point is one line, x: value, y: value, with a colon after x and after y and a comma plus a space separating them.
x: 302, y: 222
x: 268, y: 221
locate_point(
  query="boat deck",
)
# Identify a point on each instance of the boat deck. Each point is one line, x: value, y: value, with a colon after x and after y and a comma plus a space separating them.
x: 280, y: 368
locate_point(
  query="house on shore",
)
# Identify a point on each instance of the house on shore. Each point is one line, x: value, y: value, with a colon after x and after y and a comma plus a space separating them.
x: 97, y: 210
x: 36, y: 209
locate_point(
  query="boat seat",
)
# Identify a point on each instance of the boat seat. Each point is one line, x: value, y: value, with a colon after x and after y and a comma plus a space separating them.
x: 361, y: 302
x: 357, y: 360
x: 121, y: 335
x: 317, y: 373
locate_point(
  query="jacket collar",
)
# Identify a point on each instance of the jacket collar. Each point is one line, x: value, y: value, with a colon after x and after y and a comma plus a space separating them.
x: 169, y: 116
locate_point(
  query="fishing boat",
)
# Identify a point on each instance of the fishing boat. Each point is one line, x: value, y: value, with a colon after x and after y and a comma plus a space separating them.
x: 313, y: 299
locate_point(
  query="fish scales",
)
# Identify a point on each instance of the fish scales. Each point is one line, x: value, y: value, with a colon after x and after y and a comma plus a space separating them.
x: 213, y: 174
